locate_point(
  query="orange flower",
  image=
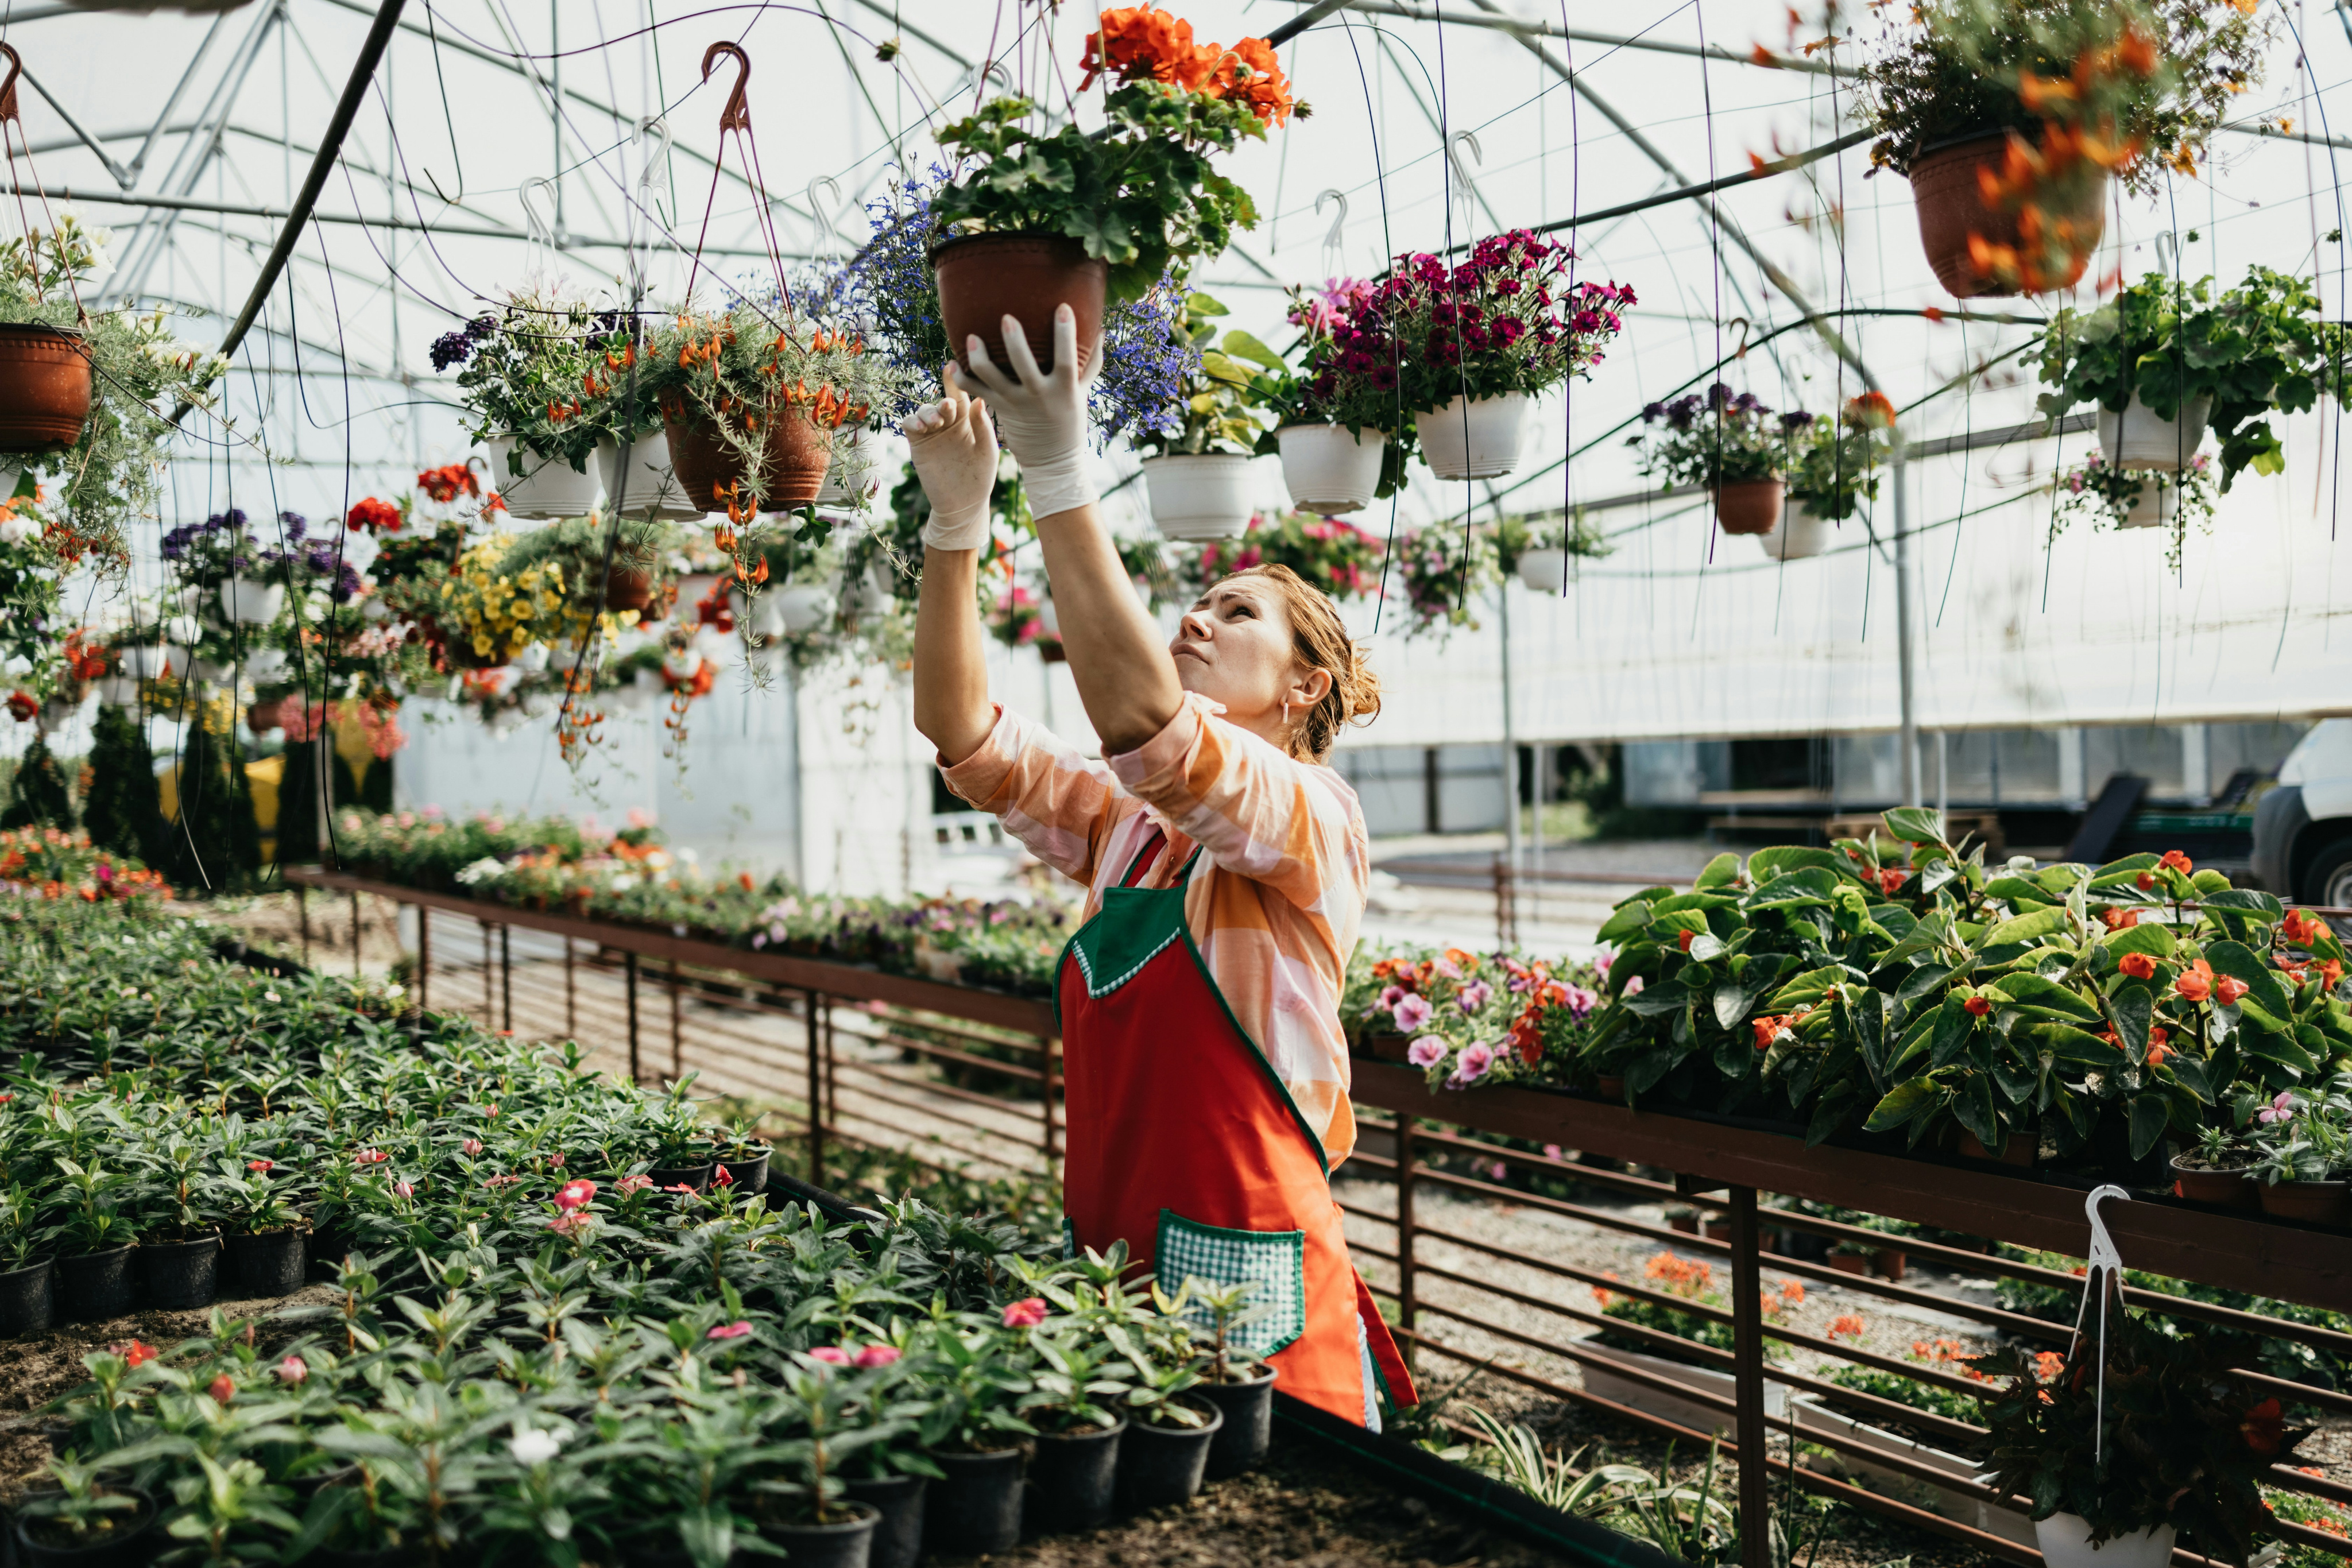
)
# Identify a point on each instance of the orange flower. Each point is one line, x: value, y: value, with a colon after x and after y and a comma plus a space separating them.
x: 137, y: 1354
x: 1685, y: 938
x: 2197, y: 984
x: 2119, y: 919
x: 1978, y: 1006
x: 2175, y: 861
x: 1250, y: 73
x: 2048, y: 1364
x: 2147, y: 880
x: 1143, y: 42
x: 2138, y: 966
x: 1873, y: 411
x: 1847, y: 1326
x: 1793, y: 1292
x: 2264, y: 1428
x: 2300, y: 929
x: 2228, y: 988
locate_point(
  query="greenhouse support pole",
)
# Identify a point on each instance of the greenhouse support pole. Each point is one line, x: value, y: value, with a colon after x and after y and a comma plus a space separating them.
x: 330, y: 147
x: 1903, y: 626
x: 629, y: 971
x: 1747, y: 1378
x: 303, y: 913
x: 570, y: 1006
x: 1510, y: 752
x: 506, y: 978
x: 424, y: 954
x: 816, y: 1091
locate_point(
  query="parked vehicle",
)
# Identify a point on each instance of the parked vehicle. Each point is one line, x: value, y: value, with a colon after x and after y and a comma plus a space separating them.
x: 2302, y: 828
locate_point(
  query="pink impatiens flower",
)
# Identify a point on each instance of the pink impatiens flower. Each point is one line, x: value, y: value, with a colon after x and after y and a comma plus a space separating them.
x: 1426, y: 1051
x: 472, y: 1147
x: 729, y: 1331
x: 877, y: 1356
x: 293, y: 1370
x: 1026, y: 1313
x: 574, y: 1194
x: 2279, y: 1109
x: 831, y: 1355
x: 634, y: 1182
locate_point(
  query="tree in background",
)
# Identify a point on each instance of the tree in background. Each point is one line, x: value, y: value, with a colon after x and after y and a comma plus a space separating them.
x: 121, y: 808
x: 40, y: 798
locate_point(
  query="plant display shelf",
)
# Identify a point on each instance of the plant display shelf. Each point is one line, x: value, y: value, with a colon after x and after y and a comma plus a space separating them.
x: 2230, y: 1249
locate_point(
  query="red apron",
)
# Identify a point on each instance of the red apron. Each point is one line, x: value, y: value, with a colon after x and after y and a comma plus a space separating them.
x: 1183, y: 1144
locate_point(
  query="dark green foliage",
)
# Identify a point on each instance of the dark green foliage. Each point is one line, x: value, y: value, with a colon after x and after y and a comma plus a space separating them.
x: 2185, y: 1443
x: 122, y: 813
x: 299, y: 832
x: 40, y: 798
x: 216, y: 844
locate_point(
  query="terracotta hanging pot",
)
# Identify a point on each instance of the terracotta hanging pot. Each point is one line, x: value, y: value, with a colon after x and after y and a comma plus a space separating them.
x: 982, y: 278
x: 627, y: 589
x: 1948, y: 187
x: 1749, y: 505
x: 45, y: 387
x: 792, y: 463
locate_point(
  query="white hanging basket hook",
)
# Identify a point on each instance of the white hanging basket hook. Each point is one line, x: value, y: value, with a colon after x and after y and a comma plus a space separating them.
x: 1334, y: 239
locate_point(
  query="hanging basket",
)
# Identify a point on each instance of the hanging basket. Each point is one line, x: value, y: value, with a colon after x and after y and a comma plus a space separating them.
x: 2065, y: 1543
x: 1204, y: 496
x: 1948, y: 187
x: 1802, y: 534
x: 1328, y: 468
x: 250, y: 601
x: 2137, y: 438
x: 982, y: 278
x: 1747, y: 505
x: 652, y: 490
x: 2158, y: 505
x: 803, y: 607
x: 1475, y: 438
x: 1543, y: 569
x: 852, y: 471
x: 792, y: 460
x: 627, y: 589
x: 540, y: 488
x: 45, y: 387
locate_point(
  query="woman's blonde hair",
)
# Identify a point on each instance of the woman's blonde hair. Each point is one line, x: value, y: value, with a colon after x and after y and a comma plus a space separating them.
x: 1322, y: 639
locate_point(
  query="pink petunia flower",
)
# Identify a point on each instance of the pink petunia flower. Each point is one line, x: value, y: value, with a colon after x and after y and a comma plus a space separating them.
x: 1472, y: 1065
x: 293, y: 1370
x: 1474, y: 996
x: 1426, y: 1051
x: 1411, y: 1014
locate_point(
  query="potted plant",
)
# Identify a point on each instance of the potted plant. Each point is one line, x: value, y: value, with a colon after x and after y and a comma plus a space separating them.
x: 1239, y: 1385
x: 1075, y: 1390
x: 85, y: 1523
x: 179, y: 1238
x: 2218, y: 1170
x: 1337, y: 557
x: 1033, y: 219
x: 2137, y: 498
x: 743, y: 1154
x: 2164, y: 360
x: 1833, y: 467
x: 530, y: 379
x: 1165, y: 1454
x: 1472, y: 344
x: 979, y: 1441
x: 1198, y: 470
x: 1334, y: 414
x: 1728, y: 443
x: 2010, y: 117
x: 93, y: 1264
x: 27, y: 1299
x: 2300, y: 1156
x: 829, y: 1407
x: 1439, y: 586
x: 1540, y: 552
x: 266, y: 1244
x: 632, y: 555
x: 2165, y: 1443
x: 480, y: 617
x: 221, y: 557
x: 87, y: 398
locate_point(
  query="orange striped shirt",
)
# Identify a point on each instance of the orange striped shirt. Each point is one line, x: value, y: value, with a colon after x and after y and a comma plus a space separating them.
x: 1275, y: 904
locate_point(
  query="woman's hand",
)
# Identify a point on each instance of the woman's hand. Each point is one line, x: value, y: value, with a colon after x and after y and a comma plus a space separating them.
x: 1044, y: 415
x: 954, y: 450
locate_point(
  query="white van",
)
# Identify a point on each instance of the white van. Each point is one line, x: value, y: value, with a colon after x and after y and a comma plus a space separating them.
x: 2302, y: 828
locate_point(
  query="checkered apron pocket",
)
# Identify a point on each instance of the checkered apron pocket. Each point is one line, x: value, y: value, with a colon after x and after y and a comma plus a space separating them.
x: 1274, y: 1260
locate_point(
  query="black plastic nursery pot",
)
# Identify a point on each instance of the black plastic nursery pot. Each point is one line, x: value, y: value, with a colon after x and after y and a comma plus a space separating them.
x: 747, y: 1176
x: 844, y: 1544
x: 91, y: 1286
x: 1247, y: 1407
x: 267, y: 1263
x: 177, y: 1275
x: 131, y: 1543
x: 975, y: 1505
x: 664, y: 1177
x: 1073, y: 1479
x: 898, y: 1541
x: 27, y: 1302
x: 344, y: 1557
x: 1163, y: 1465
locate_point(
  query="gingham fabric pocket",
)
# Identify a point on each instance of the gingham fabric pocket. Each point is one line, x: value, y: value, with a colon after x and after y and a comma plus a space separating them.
x: 1274, y: 1260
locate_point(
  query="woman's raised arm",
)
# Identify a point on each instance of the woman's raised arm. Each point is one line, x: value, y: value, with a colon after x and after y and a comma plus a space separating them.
x: 954, y: 450
x: 1124, y: 674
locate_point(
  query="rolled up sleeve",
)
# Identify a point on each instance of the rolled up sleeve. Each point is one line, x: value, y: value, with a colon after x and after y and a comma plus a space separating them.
x: 1058, y: 801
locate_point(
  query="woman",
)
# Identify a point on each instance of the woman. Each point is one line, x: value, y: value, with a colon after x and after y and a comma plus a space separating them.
x: 1204, y: 1067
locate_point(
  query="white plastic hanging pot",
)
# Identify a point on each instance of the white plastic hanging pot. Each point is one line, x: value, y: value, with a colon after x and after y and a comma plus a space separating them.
x: 2157, y: 506
x: 1328, y: 468
x: 802, y: 606
x: 58, y: 712
x: 251, y: 601
x: 868, y: 593
x: 533, y: 658
x: 536, y: 487
x: 117, y: 691
x: 1802, y: 534
x: 1543, y: 569
x: 141, y: 660
x: 265, y: 666
x: 851, y: 467
x: 652, y: 488
x: 213, y: 672
x: 1205, y: 496
x: 2137, y: 438
x: 682, y: 667
x: 1477, y: 438
x: 2065, y: 1543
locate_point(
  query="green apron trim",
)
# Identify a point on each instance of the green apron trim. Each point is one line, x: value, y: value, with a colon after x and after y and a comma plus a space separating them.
x: 1158, y: 926
x: 1274, y: 1261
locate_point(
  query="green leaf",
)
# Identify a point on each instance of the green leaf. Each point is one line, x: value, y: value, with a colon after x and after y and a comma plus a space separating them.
x: 2240, y: 962
x: 1629, y: 918
x: 2067, y: 1044
x: 1656, y: 1001
x: 2155, y: 940
x: 1199, y: 304
x: 1902, y: 1102
x: 1915, y: 823
x: 1642, y: 1073
x: 2030, y: 926
x: 2125, y: 870
x: 1721, y: 872
x: 1768, y: 864
x: 2279, y: 1048
x: 1706, y: 947
x: 1974, y: 1109
x: 2047, y: 995
x: 2134, y: 1010
x: 1808, y: 987
x: 1243, y: 346
x: 1952, y: 1033
x: 2016, y: 889
x: 1807, y: 887
x: 1922, y: 980
x: 2150, y: 1114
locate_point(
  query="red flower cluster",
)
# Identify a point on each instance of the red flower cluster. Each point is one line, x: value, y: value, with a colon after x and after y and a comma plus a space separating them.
x: 375, y: 516
x: 449, y: 482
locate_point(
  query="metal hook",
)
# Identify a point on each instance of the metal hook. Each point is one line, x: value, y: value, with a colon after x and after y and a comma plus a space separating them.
x: 737, y: 115
x: 8, y: 88
x: 1331, y: 240
x: 654, y: 174
x: 1740, y: 322
x: 1454, y: 158
x: 817, y: 214
x: 535, y: 227
x: 2164, y: 253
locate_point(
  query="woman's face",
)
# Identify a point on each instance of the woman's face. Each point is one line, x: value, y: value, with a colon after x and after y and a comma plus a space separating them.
x: 1235, y: 646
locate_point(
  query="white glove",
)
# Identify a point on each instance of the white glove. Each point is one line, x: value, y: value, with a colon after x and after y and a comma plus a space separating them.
x: 1043, y: 416
x: 954, y: 450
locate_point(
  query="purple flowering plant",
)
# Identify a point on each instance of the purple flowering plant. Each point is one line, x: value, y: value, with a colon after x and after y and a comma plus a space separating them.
x: 1719, y: 438
x: 208, y: 554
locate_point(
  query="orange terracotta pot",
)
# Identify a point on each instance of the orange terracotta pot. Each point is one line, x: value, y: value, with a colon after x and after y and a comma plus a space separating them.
x: 982, y: 278
x: 45, y: 387
x: 1949, y: 195
x: 791, y: 465
x: 1749, y: 505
